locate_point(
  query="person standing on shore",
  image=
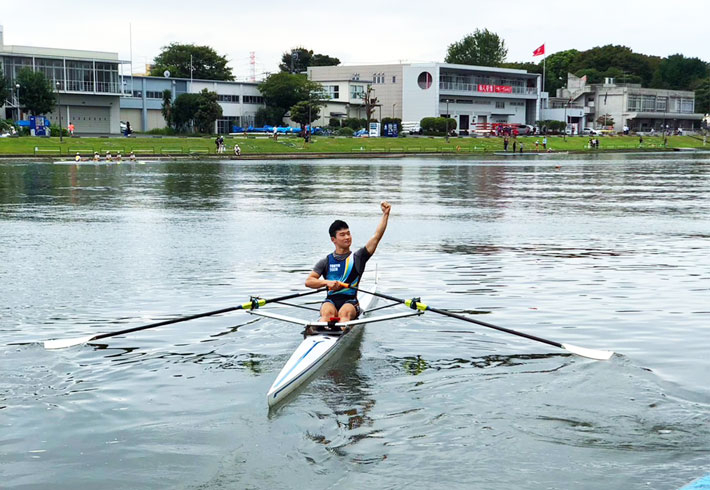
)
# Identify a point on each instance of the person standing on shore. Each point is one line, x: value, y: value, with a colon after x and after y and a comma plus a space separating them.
x: 544, y: 143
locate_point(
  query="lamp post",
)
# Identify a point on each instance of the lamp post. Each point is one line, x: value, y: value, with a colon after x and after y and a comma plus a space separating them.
x: 59, y: 107
x: 19, y: 110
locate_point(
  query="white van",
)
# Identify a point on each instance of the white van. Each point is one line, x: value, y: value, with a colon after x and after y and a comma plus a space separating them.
x: 411, y: 127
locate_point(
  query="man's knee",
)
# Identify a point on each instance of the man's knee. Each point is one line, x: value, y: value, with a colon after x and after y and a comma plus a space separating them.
x: 347, y: 312
x: 327, y: 310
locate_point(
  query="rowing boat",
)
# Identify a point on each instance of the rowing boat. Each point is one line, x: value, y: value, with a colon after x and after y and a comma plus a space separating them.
x: 315, y: 350
x: 103, y: 162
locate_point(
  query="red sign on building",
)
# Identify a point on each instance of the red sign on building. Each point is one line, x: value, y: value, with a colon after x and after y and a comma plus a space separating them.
x: 501, y: 89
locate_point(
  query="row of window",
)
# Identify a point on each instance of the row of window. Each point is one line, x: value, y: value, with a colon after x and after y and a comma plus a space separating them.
x: 71, y: 75
x: 248, y: 99
x: 228, y: 98
x: 652, y: 103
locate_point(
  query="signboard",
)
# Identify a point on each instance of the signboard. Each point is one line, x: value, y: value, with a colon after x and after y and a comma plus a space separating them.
x: 495, y: 89
x: 374, y: 130
x: 391, y: 130
x: 38, y: 126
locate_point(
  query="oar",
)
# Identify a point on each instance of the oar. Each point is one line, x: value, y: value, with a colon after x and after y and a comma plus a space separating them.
x: 253, y: 304
x: 601, y: 355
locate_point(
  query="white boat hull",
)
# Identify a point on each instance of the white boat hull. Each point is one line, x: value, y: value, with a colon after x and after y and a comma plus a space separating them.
x: 312, y: 353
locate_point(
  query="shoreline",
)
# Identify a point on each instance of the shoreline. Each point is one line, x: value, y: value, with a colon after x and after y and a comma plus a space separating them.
x: 360, y: 155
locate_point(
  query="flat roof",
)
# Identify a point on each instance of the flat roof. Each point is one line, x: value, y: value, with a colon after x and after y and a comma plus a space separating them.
x: 78, y: 54
x: 201, y: 80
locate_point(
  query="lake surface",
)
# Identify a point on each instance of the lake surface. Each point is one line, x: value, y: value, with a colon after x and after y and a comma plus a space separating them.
x: 605, y: 252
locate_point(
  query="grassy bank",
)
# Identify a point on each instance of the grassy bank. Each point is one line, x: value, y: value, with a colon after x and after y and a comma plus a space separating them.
x: 50, y: 147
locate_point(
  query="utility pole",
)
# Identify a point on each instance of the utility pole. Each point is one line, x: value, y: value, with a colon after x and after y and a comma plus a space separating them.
x: 59, y: 106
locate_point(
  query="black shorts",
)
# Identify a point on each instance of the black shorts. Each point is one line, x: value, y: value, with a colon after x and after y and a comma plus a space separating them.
x: 339, y: 300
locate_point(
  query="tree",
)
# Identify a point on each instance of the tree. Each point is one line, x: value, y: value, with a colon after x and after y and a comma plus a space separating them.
x: 702, y: 96
x: 556, y: 69
x: 206, y: 63
x: 167, y: 108
x: 184, y: 109
x: 680, y: 73
x: 208, y: 111
x: 5, y: 89
x: 602, y: 58
x: 306, y: 111
x: 482, y: 47
x: 36, y: 92
x: 273, y: 116
x: 605, y: 120
x: 196, y: 110
x: 300, y: 58
x: 283, y: 90
x: 369, y: 102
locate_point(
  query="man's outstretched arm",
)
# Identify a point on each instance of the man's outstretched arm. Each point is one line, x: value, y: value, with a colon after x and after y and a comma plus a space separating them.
x: 372, y: 243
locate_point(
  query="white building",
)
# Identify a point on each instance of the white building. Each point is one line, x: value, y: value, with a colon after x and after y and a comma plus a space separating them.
x: 87, y: 83
x: 629, y: 105
x: 472, y: 95
x: 142, y: 106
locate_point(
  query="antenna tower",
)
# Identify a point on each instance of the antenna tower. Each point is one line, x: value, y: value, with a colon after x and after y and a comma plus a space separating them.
x: 252, y: 62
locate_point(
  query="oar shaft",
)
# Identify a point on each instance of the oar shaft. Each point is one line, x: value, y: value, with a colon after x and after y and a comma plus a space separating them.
x: 244, y: 306
x: 424, y: 307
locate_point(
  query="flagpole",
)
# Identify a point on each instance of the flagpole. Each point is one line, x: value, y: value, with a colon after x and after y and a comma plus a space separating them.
x: 543, y: 72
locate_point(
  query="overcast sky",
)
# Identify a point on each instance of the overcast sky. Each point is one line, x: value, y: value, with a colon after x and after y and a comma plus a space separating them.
x: 356, y: 32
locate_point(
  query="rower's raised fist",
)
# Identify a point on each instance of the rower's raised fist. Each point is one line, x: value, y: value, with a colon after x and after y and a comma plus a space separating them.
x: 385, y: 206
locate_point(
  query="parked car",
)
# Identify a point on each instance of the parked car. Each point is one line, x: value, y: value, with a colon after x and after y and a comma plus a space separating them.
x: 411, y: 128
x: 589, y: 132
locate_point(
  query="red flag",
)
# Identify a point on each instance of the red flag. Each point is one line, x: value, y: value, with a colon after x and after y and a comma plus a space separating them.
x: 539, y: 51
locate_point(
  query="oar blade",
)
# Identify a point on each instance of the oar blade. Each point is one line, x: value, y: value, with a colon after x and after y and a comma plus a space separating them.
x: 599, y: 355
x: 63, y: 343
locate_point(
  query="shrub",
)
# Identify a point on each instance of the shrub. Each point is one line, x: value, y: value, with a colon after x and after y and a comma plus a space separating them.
x: 54, y: 131
x: 334, y: 122
x: 163, y: 131
x: 355, y: 123
x: 345, y: 131
x: 437, y: 126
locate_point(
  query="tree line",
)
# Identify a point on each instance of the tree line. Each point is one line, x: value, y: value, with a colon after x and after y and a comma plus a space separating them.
x: 677, y: 72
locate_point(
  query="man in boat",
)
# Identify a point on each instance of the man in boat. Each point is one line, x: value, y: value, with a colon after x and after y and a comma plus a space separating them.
x: 344, y: 267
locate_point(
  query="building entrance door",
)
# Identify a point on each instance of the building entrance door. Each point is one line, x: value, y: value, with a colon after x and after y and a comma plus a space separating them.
x: 463, y: 122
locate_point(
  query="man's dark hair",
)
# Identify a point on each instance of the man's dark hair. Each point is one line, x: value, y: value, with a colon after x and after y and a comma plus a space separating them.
x: 337, y: 225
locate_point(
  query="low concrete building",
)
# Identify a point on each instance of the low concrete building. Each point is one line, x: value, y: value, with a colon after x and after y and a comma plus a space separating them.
x: 472, y: 95
x: 630, y: 105
x: 87, y: 83
x: 142, y: 106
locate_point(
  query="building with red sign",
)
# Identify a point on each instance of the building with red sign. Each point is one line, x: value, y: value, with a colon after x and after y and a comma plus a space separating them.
x: 475, y: 96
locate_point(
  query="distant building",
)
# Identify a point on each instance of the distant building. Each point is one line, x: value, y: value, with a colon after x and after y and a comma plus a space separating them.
x: 87, y: 83
x: 472, y: 95
x: 641, y: 109
x: 142, y: 106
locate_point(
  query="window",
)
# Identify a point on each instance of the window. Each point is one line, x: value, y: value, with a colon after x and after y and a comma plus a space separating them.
x: 332, y: 91
x: 152, y: 94
x: 357, y: 91
x: 253, y: 99
x: 394, y: 78
x: 424, y: 80
x: 500, y: 104
x: 228, y: 98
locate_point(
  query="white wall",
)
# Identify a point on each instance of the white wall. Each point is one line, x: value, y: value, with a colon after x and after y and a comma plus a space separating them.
x: 419, y: 103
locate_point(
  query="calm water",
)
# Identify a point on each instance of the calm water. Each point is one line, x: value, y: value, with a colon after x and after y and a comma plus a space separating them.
x: 608, y: 253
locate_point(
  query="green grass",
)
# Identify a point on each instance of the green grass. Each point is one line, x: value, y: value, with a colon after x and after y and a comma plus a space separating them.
x: 51, y: 147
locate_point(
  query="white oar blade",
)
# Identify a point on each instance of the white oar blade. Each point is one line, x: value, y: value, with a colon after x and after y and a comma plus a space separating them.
x: 599, y: 355
x: 62, y: 343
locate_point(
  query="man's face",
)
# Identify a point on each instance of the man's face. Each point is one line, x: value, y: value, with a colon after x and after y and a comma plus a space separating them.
x: 342, y: 239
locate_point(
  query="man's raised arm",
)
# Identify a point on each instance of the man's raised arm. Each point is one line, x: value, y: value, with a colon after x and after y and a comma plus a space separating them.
x: 372, y: 243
